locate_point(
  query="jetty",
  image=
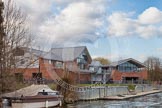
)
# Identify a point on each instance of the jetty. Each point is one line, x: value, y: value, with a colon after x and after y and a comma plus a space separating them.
x: 124, y: 97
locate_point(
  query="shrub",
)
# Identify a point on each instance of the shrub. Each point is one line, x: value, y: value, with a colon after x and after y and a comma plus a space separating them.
x: 131, y: 87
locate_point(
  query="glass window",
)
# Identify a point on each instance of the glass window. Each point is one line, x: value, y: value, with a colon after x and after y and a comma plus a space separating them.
x: 91, y: 68
x: 82, y: 58
x: 99, y: 70
x: 127, y: 67
x: 81, y: 66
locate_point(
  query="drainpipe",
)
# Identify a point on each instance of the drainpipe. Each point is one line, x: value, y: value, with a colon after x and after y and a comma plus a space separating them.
x: 38, y: 79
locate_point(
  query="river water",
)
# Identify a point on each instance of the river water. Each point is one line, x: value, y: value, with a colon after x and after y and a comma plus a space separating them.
x: 149, y: 101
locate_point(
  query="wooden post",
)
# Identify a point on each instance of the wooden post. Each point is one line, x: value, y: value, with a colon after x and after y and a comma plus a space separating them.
x: 99, y: 93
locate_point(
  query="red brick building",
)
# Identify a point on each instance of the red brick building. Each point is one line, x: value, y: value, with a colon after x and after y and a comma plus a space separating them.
x: 51, y: 65
x: 123, y: 71
x: 76, y: 63
x: 128, y: 70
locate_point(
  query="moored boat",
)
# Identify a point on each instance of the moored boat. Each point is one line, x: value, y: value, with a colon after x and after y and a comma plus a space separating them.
x: 43, y: 99
x: 40, y: 97
x: 38, y: 101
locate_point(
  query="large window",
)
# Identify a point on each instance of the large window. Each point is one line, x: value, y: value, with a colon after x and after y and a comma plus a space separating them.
x: 127, y: 67
x: 82, y: 58
x: 82, y: 61
x: 81, y: 66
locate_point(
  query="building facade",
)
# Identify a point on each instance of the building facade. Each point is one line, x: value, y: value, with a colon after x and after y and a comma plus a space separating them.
x: 101, y: 73
x: 76, y: 63
x: 128, y: 70
x: 123, y: 71
x: 54, y: 64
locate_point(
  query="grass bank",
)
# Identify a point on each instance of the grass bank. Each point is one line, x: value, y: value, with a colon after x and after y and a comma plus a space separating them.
x: 130, y: 86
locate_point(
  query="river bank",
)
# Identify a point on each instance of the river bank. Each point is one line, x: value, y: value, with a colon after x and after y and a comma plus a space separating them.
x: 147, y: 101
x: 106, y: 92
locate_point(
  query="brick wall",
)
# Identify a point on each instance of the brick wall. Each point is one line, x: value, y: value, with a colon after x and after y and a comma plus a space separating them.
x: 117, y: 75
x: 50, y: 72
x: 85, y: 78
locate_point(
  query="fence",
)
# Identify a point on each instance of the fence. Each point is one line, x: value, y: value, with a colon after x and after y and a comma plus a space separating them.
x: 143, y: 88
x: 100, y: 92
x: 104, y: 91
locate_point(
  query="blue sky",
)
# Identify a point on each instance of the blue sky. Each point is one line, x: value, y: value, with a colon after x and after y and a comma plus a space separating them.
x: 114, y: 29
x: 124, y: 47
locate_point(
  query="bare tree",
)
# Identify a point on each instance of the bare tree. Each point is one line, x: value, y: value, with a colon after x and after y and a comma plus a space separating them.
x: 102, y: 60
x: 154, y: 68
x: 1, y: 42
x: 14, y: 34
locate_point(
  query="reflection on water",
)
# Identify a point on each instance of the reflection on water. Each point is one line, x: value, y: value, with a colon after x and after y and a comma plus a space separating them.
x: 149, y: 101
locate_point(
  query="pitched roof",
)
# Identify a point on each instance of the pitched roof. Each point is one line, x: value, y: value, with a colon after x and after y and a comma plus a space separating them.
x: 68, y: 53
x: 114, y: 64
x: 60, y: 54
x: 38, y: 53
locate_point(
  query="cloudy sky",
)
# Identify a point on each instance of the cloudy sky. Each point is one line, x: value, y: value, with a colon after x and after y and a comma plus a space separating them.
x: 113, y: 29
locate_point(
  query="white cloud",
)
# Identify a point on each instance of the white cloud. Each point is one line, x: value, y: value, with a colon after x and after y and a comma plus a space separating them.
x: 121, y: 24
x: 61, y: 21
x: 147, y: 31
x: 37, y: 10
x: 115, y: 57
x: 78, y: 22
x: 150, y: 16
x: 141, y: 58
x: 66, y: 2
x: 95, y: 56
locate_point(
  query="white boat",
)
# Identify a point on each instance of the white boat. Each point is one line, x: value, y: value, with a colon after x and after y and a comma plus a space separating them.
x: 38, y: 101
x: 41, y: 97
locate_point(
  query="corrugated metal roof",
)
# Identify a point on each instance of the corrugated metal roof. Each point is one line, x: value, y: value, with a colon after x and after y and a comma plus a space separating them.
x: 68, y: 53
x: 60, y: 54
x: 35, y: 51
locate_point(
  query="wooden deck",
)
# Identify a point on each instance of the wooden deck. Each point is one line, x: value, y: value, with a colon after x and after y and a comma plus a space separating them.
x: 123, y: 97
